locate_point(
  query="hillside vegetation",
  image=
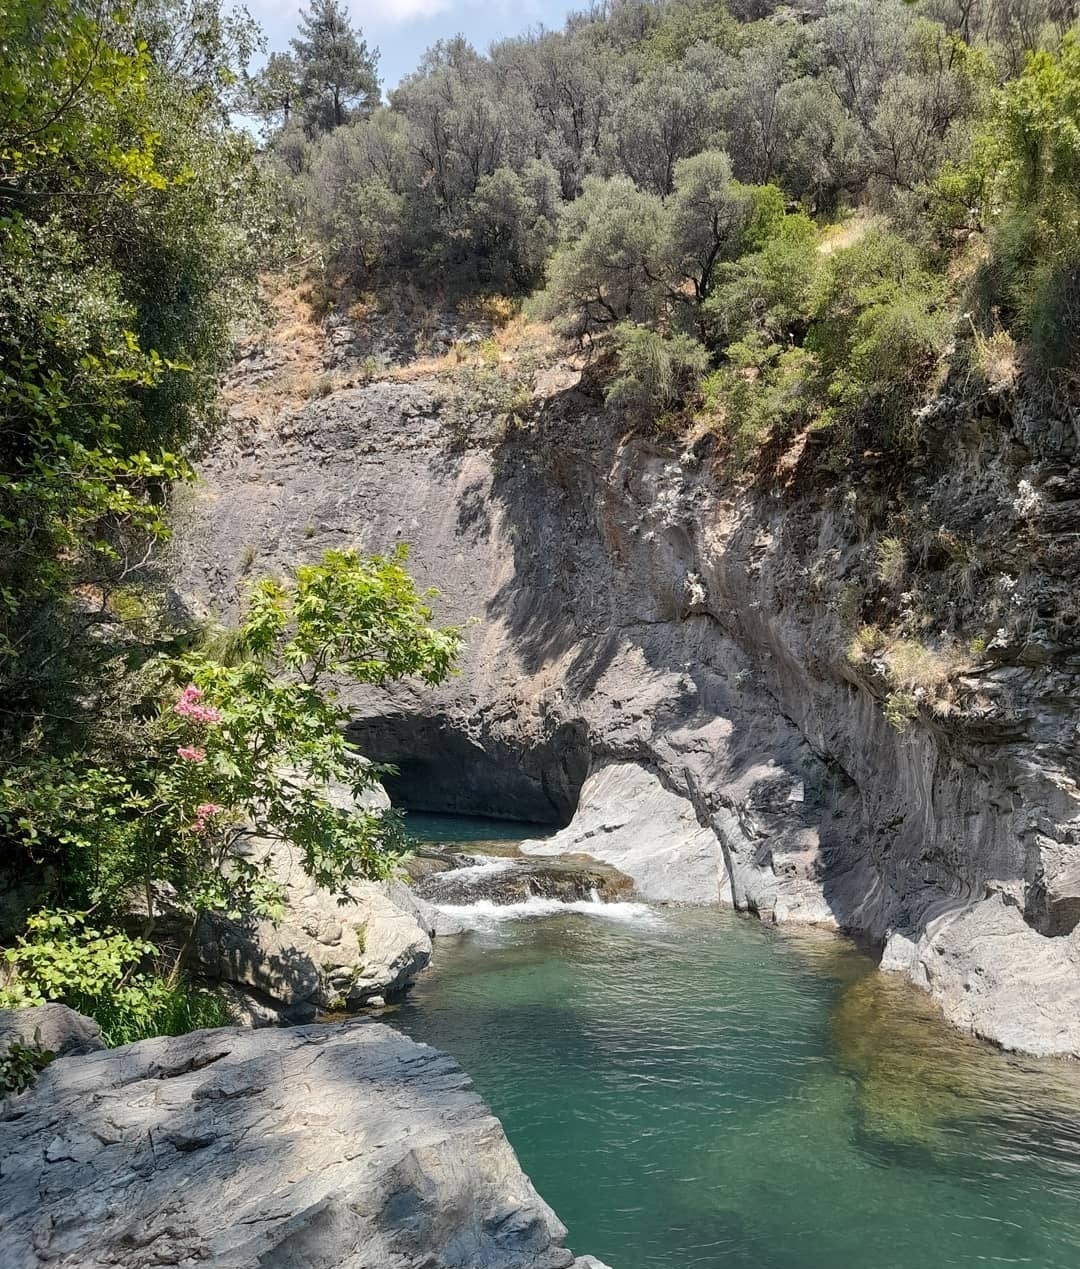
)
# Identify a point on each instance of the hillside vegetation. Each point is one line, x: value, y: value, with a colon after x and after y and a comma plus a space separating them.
x: 683, y: 177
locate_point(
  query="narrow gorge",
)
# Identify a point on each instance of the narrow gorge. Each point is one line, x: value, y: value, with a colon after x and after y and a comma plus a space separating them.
x: 658, y: 665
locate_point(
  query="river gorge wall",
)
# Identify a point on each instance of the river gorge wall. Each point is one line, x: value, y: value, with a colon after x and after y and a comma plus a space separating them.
x: 658, y: 663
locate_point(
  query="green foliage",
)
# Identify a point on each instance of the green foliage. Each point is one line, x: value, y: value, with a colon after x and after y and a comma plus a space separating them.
x: 657, y: 374
x: 21, y: 1064
x: 99, y: 972
x: 1025, y: 164
x: 769, y: 289
x: 605, y: 271
x: 879, y: 324
x: 128, y: 230
x: 220, y: 742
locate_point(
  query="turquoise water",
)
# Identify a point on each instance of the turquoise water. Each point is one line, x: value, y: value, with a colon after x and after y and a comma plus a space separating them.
x: 691, y: 1088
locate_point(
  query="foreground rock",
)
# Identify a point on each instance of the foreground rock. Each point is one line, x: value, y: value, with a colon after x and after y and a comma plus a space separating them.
x: 322, y: 954
x: 336, y: 1147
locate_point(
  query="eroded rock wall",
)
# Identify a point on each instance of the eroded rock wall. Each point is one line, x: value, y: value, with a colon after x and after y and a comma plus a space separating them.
x: 633, y: 610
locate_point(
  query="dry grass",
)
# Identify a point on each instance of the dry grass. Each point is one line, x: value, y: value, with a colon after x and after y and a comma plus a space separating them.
x: 294, y: 333
x: 917, y: 675
x: 847, y: 232
x: 508, y: 346
x: 997, y: 359
x: 495, y: 311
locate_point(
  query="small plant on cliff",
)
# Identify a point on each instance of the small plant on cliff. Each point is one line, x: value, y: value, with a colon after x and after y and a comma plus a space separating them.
x: 658, y: 374
x: 21, y: 1064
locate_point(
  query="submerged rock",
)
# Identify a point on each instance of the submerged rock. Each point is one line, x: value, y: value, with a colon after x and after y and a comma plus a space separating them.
x: 328, y: 1147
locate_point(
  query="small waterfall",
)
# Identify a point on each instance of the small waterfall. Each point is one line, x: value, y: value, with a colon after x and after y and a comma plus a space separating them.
x: 481, y: 889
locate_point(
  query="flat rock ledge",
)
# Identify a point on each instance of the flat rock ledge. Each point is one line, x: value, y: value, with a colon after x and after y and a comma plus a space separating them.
x: 344, y: 1146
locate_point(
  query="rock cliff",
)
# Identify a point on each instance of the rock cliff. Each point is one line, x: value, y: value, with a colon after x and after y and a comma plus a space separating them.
x: 330, y: 1147
x: 663, y: 653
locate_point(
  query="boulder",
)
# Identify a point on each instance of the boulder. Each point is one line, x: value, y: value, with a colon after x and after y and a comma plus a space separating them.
x: 346, y: 1146
x: 628, y: 819
x: 322, y: 953
x: 55, y: 1028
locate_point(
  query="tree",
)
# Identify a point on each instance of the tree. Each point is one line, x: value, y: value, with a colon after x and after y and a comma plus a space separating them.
x: 338, y: 73
x: 199, y: 43
x: 512, y: 223
x: 241, y: 735
x: 667, y: 116
x: 130, y: 218
x: 275, y: 90
x: 607, y: 269
x: 707, y: 218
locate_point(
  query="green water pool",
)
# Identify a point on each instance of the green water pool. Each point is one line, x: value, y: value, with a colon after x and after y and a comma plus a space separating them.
x: 691, y: 1088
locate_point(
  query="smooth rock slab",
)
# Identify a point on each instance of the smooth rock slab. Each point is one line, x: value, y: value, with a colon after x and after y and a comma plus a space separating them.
x: 319, y: 1147
x: 627, y: 818
x: 55, y: 1028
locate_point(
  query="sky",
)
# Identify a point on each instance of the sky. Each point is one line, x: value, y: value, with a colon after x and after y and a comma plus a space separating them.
x: 403, y: 29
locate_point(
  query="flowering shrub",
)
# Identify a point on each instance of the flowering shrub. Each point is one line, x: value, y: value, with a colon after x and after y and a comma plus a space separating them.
x: 226, y: 745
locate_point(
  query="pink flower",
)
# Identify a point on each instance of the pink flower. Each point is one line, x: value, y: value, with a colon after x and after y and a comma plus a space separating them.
x: 190, y: 753
x: 189, y: 707
x: 203, y: 812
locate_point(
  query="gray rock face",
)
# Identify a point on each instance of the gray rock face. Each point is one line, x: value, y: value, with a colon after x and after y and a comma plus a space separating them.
x: 337, y: 1147
x: 321, y: 953
x: 627, y: 818
x: 55, y: 1028
x: 633, y: 610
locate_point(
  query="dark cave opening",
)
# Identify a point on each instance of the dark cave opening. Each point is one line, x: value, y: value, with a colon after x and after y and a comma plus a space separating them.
x: 447, y: 765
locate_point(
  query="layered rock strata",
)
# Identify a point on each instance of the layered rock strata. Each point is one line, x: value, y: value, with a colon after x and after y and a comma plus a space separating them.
x: 331, y: 1147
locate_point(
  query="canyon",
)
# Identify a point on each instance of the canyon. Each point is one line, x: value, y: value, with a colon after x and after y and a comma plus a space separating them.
x: 657, y: 664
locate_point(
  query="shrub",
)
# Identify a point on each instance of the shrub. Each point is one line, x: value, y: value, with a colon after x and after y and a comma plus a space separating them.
x: 890, y: 562
x: 657, y: 373
x: 1025, y: 166
x: 98, y: 972
x: 765, y: 392
x: 605, y: 271
x: 879, y: 325
x: 21, y: 1064
x: 770, y: 289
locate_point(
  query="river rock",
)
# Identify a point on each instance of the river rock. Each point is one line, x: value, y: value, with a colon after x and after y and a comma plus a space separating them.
x: 322, y: 953
x: 327, y: 1147
x: 627, y: 818
x: 54, y: 1028
x: 566, y: 879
